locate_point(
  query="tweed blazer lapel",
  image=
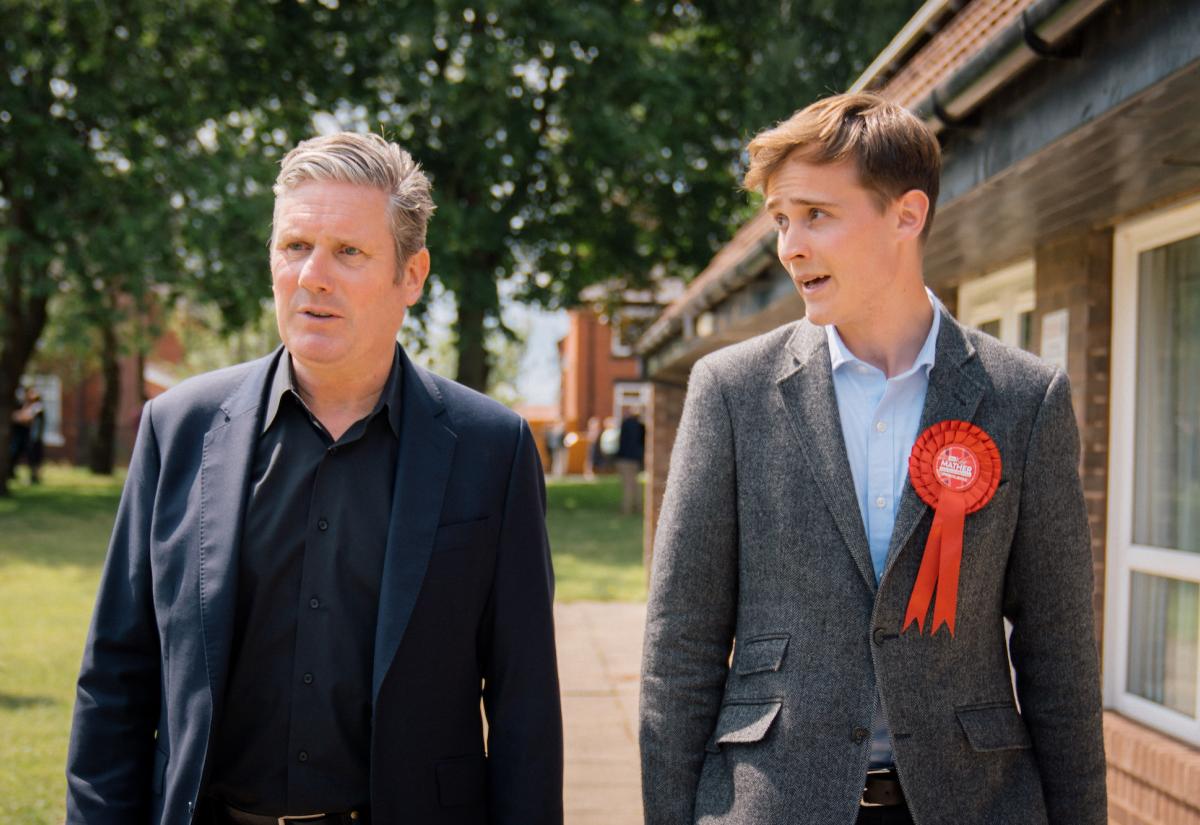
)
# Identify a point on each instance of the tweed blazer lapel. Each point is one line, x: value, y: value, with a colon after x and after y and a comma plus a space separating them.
x: 956, y: 386
x: 806, y: 386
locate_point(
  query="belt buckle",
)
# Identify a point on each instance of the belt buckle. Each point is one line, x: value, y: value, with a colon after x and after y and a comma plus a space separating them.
x: 880, y: 772
x: 284, y: 820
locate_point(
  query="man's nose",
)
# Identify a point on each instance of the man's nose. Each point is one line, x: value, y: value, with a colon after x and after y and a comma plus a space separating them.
x: 315, y: 273
x: 793, y: 245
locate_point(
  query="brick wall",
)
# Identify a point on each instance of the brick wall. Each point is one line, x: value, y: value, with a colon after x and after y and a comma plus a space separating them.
x: 1075, y: 273
x: 662, y: 422
x: 1152, y: 779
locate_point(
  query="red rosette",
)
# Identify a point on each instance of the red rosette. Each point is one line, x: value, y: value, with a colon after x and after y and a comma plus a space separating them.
x: 955, y: 469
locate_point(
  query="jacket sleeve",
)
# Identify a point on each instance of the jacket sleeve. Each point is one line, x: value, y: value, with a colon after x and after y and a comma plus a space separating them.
x: 520, y: 694
x: 1048, y: 599
x: 691, y: 614
x: 111, y: 753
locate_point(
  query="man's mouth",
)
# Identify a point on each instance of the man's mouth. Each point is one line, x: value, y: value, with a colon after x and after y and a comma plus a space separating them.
x: 316, y: 313
x: 810, y: 282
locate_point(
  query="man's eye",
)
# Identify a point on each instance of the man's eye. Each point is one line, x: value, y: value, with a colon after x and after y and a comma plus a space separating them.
x: 294, y: 246
x: 815, y: 213
x: 781, y: 221
x: 351, y: 250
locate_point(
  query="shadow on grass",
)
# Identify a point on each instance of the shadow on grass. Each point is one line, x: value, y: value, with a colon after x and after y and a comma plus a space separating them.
x: 66, y: 520
x: 10, y: 702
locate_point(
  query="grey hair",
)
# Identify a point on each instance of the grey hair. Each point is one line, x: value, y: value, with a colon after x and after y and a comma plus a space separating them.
x: 367, y: 160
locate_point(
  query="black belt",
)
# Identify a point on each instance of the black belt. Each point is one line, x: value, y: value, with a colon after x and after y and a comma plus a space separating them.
x: 228, y: 814
x: 882, y: 789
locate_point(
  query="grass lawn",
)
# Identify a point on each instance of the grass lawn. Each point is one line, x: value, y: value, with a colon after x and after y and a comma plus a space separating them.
x: 597, y: 551
x: 52, y: 544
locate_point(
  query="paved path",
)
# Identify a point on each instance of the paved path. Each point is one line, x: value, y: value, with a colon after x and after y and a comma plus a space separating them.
x: 599, y: 656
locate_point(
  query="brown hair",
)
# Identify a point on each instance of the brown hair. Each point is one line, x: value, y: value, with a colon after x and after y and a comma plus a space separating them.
x: 892, y: 149
x: 367, y: 160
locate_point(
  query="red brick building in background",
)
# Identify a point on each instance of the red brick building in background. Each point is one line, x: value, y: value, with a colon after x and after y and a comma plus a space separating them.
x: 73, y: 398
x: 600, y: 377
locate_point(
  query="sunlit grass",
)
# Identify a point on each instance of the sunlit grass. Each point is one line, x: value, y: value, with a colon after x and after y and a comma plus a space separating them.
x: 597, y: 551
x: 52, y: 543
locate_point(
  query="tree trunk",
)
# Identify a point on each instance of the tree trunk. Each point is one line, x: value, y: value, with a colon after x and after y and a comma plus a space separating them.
x: 104, y: 449
x: 473, y: 362
x: 476, y: 296
x: 24, y: 319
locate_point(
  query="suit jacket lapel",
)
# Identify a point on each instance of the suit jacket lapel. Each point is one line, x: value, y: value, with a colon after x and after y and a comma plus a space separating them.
x: 224, y: 475
x: 422, y: 470
x: 806, y: 385
x: 956, y: 386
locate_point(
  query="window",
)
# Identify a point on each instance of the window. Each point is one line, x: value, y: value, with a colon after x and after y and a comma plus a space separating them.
x: 1001, y: 304
x: 1152, y: 613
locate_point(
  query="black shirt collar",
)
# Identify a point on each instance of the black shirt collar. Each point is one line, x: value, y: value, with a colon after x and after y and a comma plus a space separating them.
x: 283, y: 383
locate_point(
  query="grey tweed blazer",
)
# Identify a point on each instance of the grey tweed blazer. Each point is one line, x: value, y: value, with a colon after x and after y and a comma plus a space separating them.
x: 761, y: 541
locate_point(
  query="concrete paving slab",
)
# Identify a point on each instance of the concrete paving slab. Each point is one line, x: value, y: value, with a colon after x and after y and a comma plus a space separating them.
x: 599, y: 660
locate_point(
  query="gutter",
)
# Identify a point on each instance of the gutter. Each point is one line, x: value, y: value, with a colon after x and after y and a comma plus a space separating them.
x: 1035, y: 36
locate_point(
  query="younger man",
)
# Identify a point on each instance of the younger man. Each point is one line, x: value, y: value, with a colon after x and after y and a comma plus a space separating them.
x: 791, y: 524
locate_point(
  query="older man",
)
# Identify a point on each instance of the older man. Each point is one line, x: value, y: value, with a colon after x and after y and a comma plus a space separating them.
x: 324, y: 559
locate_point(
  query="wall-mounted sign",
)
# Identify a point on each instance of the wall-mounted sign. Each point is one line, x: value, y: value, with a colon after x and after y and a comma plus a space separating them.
x: 1055, y: 326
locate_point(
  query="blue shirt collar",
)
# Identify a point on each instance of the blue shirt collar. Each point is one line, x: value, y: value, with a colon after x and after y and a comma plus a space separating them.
x: 840, y: 354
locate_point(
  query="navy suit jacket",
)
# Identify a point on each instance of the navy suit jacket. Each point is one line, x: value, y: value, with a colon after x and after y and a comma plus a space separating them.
x: 465, y: 611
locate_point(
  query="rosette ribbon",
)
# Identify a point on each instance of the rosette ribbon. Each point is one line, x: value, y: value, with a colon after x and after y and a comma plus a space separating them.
x: 955, y: 469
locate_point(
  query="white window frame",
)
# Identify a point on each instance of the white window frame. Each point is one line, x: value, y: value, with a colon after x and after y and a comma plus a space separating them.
x: 1123, y: 557
x: 999, y: 296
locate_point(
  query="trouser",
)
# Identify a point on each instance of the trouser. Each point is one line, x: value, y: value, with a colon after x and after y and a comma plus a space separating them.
x: 631, y: 500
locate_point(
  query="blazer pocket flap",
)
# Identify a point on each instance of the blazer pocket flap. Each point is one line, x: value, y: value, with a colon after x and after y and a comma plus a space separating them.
x: 762, y: 653
x: 462, y: 534
x: 994, y: 727
x: 461, y: 780
x: 744, y: 722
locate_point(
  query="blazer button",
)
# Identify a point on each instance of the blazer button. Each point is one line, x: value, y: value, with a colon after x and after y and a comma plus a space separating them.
x: 879, y: 635
x: 860, y: 735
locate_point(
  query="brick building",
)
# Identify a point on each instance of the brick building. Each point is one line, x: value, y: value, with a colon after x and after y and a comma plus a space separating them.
x: 1068, y: 224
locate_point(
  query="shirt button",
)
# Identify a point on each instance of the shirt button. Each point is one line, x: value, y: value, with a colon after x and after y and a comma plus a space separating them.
x: 314, y: 602
x: 302, y: 756
x: 322, y: 525
x: 881, y: 426
x: 860, y: 735
x: 881, y: 502
x: 308, y: 678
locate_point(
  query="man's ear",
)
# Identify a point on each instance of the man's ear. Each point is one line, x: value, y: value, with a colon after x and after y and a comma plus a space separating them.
x: 413, y: 275
x: 912, y: 209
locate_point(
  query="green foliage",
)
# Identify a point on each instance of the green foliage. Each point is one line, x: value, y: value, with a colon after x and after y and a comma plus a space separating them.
x: 568, y: 143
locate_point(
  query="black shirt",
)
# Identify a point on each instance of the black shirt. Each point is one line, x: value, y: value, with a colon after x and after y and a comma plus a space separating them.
x: 294, y: 735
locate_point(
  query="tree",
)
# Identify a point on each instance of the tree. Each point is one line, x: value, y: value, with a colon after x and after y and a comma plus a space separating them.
x: 568, y: 143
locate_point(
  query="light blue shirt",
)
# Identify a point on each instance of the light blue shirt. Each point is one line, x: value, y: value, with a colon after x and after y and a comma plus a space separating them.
x: 880, y: 416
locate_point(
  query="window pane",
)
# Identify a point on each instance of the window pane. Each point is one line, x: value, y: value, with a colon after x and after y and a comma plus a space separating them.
x: 1025, y: 335
x: 1166, y: 501
x: 1163, y: 619
x: 992, y: 328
